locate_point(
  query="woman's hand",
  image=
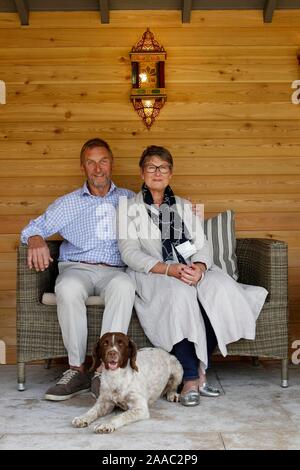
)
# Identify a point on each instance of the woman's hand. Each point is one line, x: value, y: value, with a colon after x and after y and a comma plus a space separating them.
x: 189, y: 274
x: 176, y: 270
x: 193, y: 273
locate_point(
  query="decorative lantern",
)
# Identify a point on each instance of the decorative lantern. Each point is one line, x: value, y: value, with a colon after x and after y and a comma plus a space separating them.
x: 148, y: 93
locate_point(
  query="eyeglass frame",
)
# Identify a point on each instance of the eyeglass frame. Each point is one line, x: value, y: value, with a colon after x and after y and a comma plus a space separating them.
x: 157, y: 168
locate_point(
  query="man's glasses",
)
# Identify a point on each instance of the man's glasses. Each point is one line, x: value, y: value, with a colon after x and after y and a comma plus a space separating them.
x: 163, y: 169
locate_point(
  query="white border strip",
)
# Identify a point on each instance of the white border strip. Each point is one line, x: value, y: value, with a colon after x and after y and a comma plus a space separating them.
x: 2, y: 352
x: 2, y: 92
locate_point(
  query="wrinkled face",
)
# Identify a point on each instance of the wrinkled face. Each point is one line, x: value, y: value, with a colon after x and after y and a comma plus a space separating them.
x: 114, y: 350
x: 97, y: 166
x: 160, y: 178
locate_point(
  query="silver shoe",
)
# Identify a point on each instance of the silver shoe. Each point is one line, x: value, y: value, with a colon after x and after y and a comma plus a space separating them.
x: 207, y: 391
x: 190, y: 398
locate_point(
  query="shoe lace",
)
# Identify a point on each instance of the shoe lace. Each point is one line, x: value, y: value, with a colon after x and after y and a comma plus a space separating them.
x: 97, y: 375
x: 67, y: 376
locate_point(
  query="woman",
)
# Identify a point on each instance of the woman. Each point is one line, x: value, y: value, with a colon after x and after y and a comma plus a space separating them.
x: 169, y: 259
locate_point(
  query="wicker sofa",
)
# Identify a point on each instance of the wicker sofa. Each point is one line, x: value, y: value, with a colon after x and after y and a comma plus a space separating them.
x: 260, y: 261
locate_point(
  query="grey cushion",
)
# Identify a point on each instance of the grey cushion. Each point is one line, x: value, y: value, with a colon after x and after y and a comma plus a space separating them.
x: 220, y: 232
x: 50, y: 299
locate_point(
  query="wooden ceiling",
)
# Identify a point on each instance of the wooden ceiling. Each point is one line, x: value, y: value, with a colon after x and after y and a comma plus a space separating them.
x: 24, y: 7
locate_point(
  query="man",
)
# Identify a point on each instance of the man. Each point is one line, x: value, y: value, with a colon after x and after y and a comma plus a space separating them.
x: 89, y: 262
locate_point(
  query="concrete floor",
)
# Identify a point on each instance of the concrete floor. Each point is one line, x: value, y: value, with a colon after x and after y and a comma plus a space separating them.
x: 253, y: 412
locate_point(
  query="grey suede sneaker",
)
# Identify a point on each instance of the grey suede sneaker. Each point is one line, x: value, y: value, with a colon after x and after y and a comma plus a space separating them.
x: 72, y: 383
x: 95, y: 384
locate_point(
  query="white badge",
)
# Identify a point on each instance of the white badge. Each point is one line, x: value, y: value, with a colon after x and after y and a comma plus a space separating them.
x: 186, y: 249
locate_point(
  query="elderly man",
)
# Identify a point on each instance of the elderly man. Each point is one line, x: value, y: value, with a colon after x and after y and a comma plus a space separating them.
x: 89, y: 261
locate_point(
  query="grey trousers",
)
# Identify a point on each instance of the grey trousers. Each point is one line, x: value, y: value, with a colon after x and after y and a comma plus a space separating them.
x: 74, y: 284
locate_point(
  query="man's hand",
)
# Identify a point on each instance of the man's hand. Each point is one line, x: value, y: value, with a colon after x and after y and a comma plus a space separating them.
x: 38, y: 253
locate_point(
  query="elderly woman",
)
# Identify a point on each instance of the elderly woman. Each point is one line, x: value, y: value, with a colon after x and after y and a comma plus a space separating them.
x: 181, y: 297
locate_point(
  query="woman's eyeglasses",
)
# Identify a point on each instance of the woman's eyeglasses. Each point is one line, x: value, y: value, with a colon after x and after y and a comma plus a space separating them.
x: 163, y: 169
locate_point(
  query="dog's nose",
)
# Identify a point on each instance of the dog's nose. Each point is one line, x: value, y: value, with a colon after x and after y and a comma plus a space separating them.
x: 112, y: 355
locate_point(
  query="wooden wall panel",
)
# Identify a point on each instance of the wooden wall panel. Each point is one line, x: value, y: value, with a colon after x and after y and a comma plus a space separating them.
x: 21, y: 93
x: 135, y: 130
x: 201, y: 55
x: 260, y: 203
x: 194, y: 186
x: 181, y: 111
x: 188, y: 36
x: 184, y: 166
x: 132, y: 148
x: 229, y: 121
x: 114, y: 73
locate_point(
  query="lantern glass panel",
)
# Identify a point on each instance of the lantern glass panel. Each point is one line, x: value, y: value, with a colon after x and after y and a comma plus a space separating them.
x: 148, y: 75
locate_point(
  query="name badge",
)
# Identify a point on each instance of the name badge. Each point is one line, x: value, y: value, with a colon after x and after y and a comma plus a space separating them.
x: 186, y: 249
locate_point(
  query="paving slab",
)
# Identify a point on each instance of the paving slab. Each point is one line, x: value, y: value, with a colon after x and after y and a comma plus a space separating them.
x: 262, y: 440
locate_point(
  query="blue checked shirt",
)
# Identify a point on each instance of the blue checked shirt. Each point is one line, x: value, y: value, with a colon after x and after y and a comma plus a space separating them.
x: 86, y: 223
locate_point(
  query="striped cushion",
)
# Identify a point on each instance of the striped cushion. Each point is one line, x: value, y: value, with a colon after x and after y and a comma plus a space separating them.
x: 220, y: 232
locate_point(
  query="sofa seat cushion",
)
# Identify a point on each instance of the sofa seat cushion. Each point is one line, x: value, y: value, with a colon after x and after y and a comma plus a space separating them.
x: 49, y: 298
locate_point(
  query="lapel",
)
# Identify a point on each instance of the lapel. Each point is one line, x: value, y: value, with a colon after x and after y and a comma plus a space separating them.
x: 147, y: 223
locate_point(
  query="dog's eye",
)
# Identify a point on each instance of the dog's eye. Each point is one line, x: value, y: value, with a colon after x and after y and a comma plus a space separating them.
x: 120, y: 343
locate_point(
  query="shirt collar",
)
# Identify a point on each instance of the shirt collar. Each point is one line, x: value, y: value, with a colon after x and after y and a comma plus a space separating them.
x: 85, y: 189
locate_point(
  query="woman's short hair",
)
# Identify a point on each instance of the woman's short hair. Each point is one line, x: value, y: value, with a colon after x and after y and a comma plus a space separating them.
x: 155, y: 151
x: 92, y: 143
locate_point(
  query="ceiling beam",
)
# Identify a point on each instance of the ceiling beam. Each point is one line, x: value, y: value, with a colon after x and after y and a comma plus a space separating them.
x: 186, y: 10
x: 23, y: 10
x: 104, y: 11
x: 269, y: 8
x: 93, y: 5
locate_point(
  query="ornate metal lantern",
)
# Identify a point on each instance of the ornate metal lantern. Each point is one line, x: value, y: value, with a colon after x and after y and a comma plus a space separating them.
x: 148, y: 93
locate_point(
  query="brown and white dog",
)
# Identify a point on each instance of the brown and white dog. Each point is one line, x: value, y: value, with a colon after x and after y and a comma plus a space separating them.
x: 131, y: 380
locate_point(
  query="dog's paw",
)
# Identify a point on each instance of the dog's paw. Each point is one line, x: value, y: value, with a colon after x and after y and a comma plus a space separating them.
x: 104, y: 428
x: 173, y: 396
x: 79, y: 422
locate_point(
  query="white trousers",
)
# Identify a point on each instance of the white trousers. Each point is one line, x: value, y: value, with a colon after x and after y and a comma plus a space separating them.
x: 74, y: 284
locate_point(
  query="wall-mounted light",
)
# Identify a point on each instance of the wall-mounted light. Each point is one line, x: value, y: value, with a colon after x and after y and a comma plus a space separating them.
x: 148, y: 93
x: 2, y: 92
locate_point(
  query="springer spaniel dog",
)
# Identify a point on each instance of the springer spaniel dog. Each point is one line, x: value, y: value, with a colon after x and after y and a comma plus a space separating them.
x: 131, y: 380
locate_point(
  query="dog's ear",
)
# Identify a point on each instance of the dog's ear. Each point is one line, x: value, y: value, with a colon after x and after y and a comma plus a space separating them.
x: 96, y: 354
x: 132, y: 355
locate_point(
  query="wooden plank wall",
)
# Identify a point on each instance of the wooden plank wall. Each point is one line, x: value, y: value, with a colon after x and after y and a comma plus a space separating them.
x: 229, y: 120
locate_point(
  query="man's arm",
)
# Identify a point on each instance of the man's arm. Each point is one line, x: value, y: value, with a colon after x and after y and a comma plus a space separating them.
x: 35, y: 233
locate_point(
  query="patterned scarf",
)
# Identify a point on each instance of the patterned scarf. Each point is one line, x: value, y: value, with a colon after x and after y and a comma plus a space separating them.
x: 168, y: 220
